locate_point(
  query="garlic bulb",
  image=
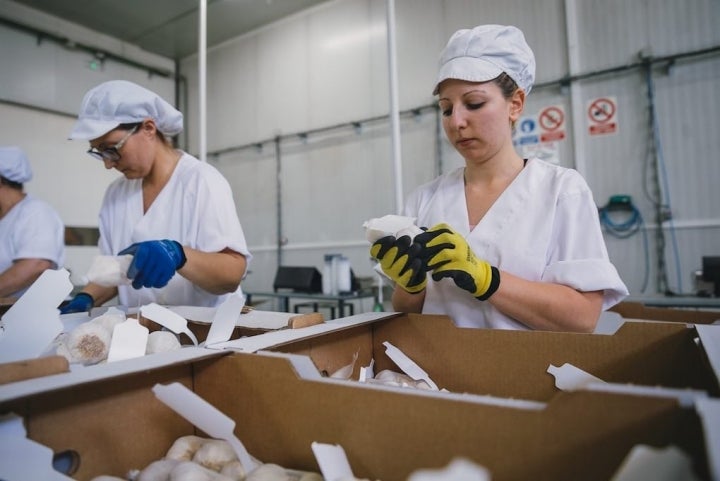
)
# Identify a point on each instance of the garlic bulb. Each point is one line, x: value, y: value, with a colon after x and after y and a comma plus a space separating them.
x: 214, y: 454
x: 392, y: 378
x: 269, y: 472
x: 189, y: 471
x: 395, y: 225
x: 161, y: 341
x: 158, y: 470
x: 88, y: 343
x: 234, y: 470
x: 185, y: 447
x: 109, y: 271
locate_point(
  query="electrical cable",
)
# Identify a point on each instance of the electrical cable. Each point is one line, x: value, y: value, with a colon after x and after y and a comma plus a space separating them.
x: 657, y: 144
x: 633, y: 222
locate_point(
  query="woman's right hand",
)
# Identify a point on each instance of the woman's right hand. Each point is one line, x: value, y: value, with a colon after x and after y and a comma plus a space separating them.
x: 401, y: 261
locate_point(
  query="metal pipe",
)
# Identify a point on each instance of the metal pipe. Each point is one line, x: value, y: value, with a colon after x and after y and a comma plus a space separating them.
x: 394, y: 117
x: 94, y: 51
x: 202, y: 89
x: 576, y: 105
x: 278, y: 196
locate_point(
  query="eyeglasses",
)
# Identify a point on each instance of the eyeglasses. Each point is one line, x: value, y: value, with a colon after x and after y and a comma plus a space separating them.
x: 112, y: 154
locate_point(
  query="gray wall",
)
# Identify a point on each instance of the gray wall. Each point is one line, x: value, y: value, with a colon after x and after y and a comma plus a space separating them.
x: 328, y: 67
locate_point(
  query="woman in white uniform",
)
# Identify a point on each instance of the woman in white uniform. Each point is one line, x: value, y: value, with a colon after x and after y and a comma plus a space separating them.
x: 512, y: 243
x: 32, y: 235
x: 173, y: 213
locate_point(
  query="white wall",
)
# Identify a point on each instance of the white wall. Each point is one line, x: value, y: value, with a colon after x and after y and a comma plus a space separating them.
x: 41, y: 88
x: 327, y: 66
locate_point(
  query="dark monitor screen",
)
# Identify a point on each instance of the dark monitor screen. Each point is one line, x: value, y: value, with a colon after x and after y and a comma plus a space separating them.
x: 711, y: 272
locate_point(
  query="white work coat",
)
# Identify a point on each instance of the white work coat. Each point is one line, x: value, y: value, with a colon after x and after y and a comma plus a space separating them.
x: 195, y: 208
x: 543, y: 227
x: 32, y: 229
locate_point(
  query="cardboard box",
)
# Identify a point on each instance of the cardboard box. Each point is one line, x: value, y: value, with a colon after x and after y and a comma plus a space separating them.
x: 638, y: 310
x: 514, y: 363
x: 281, y: 405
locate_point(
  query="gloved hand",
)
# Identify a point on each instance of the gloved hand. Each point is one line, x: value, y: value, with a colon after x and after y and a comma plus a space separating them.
x: 400, y: 260
x: 82, y: 302
x: 448, y: 254
x: 154, y: 262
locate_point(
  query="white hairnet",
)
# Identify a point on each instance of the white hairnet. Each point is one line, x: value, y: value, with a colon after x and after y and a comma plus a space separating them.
x: 121, y: 102
x: 484, y: 52
x: 14, y: 165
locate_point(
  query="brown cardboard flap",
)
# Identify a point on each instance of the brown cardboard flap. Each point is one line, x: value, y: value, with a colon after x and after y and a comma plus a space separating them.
x: 638, y: 310
x: 32, y: 368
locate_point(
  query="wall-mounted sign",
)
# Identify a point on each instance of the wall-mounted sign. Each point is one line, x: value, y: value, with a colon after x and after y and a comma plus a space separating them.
x: 602, y: 116
x: 526, y: 131
x: 552, y: 123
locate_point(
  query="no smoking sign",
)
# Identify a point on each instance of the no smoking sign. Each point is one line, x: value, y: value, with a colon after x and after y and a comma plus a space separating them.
x: 552, y: 123
x: 602, y: 116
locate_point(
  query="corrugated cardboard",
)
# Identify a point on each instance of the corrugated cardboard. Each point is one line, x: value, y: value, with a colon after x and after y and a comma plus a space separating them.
x: 115, y: 424
x: 514, y: 363
x: 33, y: 368
x: 638, y: 310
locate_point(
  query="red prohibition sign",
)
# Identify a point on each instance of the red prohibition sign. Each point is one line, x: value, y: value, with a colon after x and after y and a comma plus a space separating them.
x: 551, y: 118
x: 601, y: 110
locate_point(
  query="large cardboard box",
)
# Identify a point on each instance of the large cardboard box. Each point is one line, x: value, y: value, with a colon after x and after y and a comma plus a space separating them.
x: 280, y: 403
x: 514, y: 363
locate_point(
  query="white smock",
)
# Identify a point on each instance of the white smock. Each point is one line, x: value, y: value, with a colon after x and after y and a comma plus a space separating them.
x: 32, y: 229
x: 544, y: 227
x: 195, y: 208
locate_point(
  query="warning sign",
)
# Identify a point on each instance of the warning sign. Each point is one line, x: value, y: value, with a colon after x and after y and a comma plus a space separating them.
x: 526, y: 131
x: 602, y: 115
x: 552, y: 123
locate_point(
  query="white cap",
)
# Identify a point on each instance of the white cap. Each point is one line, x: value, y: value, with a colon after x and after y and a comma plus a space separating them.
x: 121, y: 102
x: 485, y: 52
x: 14, y: 165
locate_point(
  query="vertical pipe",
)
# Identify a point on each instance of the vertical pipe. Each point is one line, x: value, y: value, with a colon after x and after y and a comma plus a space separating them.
x: 202, y: 90
x: 278, y: 203
x: 576, y: 105
x: 394, y: 111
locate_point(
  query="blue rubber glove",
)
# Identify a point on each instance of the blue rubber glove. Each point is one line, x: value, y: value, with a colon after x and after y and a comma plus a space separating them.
x: 82, y: 302
x: 154, y: 262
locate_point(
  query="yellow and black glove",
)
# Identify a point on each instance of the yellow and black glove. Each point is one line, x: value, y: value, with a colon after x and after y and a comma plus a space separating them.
x: 401, y: 261
x: 448, y: 254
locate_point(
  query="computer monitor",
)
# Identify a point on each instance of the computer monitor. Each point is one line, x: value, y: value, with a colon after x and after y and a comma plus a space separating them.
x: 711, y: 272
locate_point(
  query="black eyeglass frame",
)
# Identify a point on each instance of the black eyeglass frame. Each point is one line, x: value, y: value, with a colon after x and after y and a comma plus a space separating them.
x: 112, y: 153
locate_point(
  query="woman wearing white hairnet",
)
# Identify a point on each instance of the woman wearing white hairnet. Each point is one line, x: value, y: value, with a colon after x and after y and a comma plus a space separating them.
x: 512, y: 243
x: 32, y: 236
x: 174, y: 214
